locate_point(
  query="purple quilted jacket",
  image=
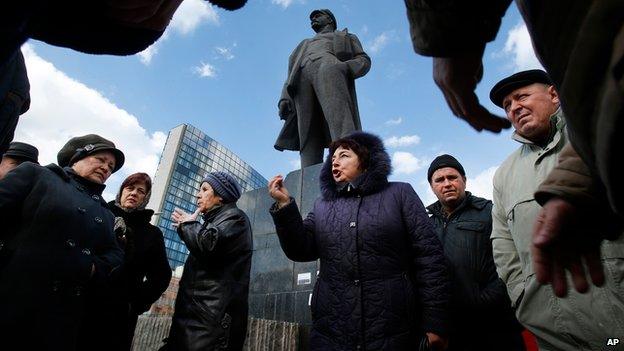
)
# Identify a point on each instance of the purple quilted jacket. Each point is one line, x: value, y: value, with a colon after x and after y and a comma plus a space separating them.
x: 383, y: 280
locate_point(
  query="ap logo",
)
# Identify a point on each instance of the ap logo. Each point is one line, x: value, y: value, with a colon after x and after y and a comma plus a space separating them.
x: 613, y: 342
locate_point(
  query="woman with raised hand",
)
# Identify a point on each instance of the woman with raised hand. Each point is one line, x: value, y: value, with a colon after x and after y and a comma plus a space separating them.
x: 382, y: 283
x: 211, y: 307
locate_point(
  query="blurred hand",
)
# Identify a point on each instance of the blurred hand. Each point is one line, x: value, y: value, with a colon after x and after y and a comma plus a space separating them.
x: 152, y: 14
x: 284, y: 109
x: 561, y: 241
x: 179, y: 216
x: 458, y: 77
x: 278, y: 191
x: 437, y: 342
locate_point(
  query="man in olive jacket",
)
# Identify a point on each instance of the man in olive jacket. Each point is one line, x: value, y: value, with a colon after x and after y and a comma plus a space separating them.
x: 581, y: 45
x: 581, y: 322
x: 318, y: 101
x: 463, y: 223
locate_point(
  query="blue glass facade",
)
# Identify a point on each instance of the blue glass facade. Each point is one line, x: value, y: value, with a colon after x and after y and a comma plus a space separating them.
x: 197, y: 154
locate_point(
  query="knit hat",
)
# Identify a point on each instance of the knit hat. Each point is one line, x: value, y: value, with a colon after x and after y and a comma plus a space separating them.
x: 444, y: 161
x: 22, y: 151
x: 516, y: 81
x: 80, y: 147
x: 223, y: 185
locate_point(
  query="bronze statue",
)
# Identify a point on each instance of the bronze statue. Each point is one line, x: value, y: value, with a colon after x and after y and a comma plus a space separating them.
x: 318, y: 101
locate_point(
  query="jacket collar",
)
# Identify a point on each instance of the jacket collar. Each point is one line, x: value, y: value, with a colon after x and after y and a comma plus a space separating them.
x: 68, y: 174
x: 143, y: 215
x: 557, y: 123
x: 469, y: 201
x: 212, y: 214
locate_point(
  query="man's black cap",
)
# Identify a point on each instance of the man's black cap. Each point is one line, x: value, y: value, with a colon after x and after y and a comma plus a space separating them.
x: 22, y: 151
x: 444, y: 161
x: 328, y: 13
x: 515, y: 81
x: 80, y: 147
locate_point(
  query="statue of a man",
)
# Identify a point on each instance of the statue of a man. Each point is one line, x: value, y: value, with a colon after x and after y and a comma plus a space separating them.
x: 318, y: 101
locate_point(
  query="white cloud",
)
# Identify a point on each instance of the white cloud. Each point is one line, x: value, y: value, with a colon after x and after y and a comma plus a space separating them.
x: 205, y: 70
x: 191, y: 14
x: 405, y: 163
x: 286, y: 3
x: 146, y: 55
x: 63, y: 107
x: 428, y: 197
x: 406, y: 140
x: 380, y: 42
x: 519, y: 48
x: 226, y: 53
x: 481, y: 185
x: 394, y: 122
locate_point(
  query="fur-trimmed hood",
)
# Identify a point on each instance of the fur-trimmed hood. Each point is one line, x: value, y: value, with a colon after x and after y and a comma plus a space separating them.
x: 372, y: 180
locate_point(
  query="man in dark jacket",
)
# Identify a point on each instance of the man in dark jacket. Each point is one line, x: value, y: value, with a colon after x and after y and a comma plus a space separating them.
x: 211, y: 308
x: 318, y: 101
x: 586, y: 66
x: 480, y: 314
x: 17, y: 154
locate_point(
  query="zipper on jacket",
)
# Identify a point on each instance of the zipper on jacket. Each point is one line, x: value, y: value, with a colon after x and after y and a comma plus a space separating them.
x: 359, y: 275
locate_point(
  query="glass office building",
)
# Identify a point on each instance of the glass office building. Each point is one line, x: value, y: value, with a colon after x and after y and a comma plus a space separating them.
x: 188, y: 154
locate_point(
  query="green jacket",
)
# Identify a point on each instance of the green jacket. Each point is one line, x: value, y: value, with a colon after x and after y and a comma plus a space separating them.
x: 580, y: 321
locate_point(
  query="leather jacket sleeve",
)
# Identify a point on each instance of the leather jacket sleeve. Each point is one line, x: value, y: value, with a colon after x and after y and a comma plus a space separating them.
x: 212, y: 238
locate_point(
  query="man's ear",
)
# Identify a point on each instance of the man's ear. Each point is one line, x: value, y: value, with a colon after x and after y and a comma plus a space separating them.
x: 554, y: 95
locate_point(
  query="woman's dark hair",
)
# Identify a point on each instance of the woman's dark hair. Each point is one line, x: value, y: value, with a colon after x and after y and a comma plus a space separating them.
x: 348, y: 143
x: 138, y: 178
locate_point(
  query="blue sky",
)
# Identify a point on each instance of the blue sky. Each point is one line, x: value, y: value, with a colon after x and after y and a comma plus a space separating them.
x: 223, y: 72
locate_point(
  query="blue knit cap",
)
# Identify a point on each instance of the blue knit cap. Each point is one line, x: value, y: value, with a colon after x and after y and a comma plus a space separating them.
x: 223, y: 185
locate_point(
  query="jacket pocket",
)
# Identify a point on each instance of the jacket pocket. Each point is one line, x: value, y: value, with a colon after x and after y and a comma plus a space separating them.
x: 410, y: 297
x: 471, y: 226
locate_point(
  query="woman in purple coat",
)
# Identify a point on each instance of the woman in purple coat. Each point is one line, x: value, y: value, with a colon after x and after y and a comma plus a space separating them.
x: 383, y: 283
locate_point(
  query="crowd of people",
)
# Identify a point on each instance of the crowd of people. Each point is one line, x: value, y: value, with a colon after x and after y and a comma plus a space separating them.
x: 464, y: 273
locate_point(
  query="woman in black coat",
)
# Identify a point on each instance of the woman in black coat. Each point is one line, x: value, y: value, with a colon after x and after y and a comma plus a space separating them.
x: 56, y: 244
x: 211, y: 307
x: 382, y: 282
x: 143, y: 277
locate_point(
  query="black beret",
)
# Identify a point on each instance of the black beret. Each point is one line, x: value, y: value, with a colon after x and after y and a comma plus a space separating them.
x: 327, y: 12
x: 80, y: 147
x: 22, y: 151
x: 515, y: 81
x: 444, y: 161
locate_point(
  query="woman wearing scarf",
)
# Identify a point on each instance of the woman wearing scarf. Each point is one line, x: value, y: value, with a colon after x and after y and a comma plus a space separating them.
x: 145, y: 273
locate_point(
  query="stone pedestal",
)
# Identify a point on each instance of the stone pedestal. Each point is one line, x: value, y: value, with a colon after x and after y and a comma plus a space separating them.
x: 280, y: 288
